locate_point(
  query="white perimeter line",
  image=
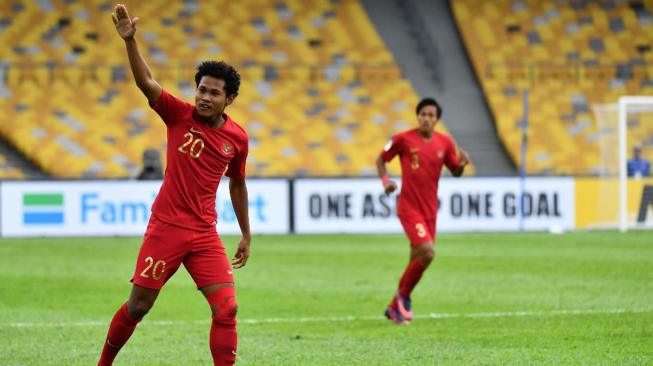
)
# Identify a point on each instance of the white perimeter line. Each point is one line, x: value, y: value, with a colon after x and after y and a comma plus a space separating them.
x: 504, y: 314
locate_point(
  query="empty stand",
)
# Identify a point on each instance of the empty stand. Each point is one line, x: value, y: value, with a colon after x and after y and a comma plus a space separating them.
x: 571, y: 56
x: 320, y: 92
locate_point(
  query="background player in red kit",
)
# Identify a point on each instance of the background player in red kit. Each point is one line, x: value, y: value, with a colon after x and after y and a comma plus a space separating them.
x: 422, y: 152
x: 202, y: 142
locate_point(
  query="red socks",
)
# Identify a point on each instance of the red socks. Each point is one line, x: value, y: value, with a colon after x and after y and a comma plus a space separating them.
x: 409, y: 280
x: 223, y: 339
x: 121, y: 328
x: 411, y: 276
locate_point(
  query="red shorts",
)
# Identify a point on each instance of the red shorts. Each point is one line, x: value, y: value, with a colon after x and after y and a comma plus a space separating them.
x: 419, y: 229
x: 165, y: 247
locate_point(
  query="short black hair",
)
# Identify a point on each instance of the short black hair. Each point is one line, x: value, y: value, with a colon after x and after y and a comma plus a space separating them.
x: 219, y: 70
x: 426, y: 102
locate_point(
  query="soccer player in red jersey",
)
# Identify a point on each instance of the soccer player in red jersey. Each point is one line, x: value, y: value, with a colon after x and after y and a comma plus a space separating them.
x: 203, y: 144
x: 422, y: 152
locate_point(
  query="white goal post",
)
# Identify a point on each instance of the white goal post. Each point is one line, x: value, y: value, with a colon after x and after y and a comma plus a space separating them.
x: 625, y: 103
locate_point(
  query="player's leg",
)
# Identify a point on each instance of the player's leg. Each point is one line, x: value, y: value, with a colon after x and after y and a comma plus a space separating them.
x: 223, y: 338
x: 125, y: 320
x: 158, y: 259
x: 424, y: 252
x: 422, y: 255
x: 420, y: 234
x: 209, y: 266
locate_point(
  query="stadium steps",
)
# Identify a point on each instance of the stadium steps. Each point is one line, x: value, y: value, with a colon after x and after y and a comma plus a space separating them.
x: 454, y: 85
x: 25, y: 168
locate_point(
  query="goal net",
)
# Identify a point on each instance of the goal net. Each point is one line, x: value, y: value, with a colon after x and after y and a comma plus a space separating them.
x: 619, y: 192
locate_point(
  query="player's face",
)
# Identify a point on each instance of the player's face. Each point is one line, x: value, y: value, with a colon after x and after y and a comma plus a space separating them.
x: 427, y: 118
x: 211, y: 97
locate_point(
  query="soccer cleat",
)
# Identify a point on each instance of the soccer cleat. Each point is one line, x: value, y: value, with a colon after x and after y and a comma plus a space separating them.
x: 404, y: 307
x: 393, y: 315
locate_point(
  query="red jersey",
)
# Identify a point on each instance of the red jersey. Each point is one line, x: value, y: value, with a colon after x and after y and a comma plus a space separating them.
x: 421, y: 165
x: 198, y: 155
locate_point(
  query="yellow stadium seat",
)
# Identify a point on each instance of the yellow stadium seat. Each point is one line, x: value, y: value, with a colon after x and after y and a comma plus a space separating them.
x: 93, y: 102
x: 553, y: 80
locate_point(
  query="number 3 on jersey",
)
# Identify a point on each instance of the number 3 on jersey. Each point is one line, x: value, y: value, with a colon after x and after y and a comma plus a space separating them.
x: 414, y: 161
x: 193, y: 145
x: 421, y: 231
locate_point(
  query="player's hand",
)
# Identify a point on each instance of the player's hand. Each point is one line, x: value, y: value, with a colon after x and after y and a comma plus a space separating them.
x: 125, y: 25
x: 390, y: 187
x: 242, y: 254
x: 463, y: 157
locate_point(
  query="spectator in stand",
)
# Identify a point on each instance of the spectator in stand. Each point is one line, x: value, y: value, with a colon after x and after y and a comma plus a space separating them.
x: 638, y: 167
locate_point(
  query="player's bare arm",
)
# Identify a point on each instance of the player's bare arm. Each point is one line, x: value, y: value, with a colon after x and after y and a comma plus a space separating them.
x: 126, y: 28
x: 238, y: 193
x: 463, y: 158
x: 389, y: 186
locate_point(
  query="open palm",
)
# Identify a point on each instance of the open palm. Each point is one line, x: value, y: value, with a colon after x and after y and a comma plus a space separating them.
x: 125, y: 25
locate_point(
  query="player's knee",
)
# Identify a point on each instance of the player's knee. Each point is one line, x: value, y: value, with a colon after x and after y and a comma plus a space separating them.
x: 138, y: 308
x: 225, y: 311
x: 430, y: 255
x: 223, y: 305
x: 427, y: 254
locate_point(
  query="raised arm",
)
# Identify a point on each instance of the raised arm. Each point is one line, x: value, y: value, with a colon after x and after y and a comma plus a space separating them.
x: 238, y: 193
x: 126, y: 28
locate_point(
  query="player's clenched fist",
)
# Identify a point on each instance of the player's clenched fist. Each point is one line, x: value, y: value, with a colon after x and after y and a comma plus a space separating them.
x: 389, y: 187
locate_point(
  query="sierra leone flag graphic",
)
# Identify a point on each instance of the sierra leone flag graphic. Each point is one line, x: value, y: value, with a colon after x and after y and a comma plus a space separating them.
x: 42, y: 208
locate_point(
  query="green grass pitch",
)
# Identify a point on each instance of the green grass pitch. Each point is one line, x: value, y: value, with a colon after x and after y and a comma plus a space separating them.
x: 496, y: 299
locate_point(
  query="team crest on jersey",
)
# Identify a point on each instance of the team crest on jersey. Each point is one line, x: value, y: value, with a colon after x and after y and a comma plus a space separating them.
x: 227, y: 148
x: 440, y: 154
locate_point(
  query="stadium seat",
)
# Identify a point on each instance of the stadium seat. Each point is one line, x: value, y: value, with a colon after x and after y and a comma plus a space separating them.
x: 558, y: 51
x: 312, y: 74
